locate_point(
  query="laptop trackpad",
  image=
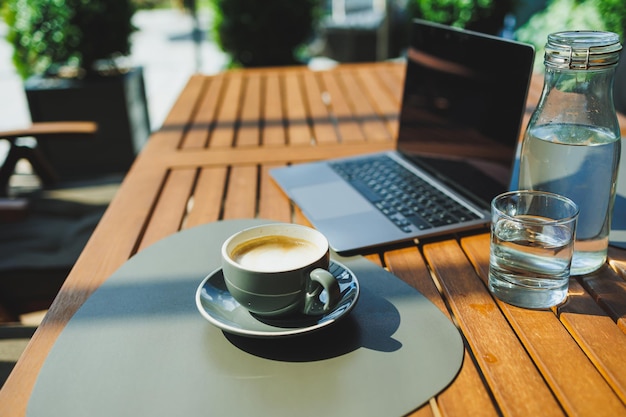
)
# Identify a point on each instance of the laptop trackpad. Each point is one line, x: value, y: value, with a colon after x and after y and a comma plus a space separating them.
x: 331, y: 199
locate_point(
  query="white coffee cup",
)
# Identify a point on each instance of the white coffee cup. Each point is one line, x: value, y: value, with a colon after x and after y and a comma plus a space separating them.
x: 280, y: 269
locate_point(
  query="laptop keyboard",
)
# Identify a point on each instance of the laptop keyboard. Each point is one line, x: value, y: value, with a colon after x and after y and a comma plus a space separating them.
x: 407, y: 200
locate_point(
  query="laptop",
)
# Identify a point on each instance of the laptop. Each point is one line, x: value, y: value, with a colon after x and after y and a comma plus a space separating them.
x: 462, y: 107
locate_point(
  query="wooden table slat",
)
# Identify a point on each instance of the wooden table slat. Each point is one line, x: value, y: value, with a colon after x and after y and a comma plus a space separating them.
x: 298, y: 130
x: 469, y: 396
x: 169, y: 138
x: 241, y: 195
x: 349, y: 129
x: 272, y: 203
x: 324, y: 128
x: 372, y: 123
x: 383, y: 100
x: 274, y: 133
x: 207, y: 196
x: 392, y: 75
x: 223, y: 136
x: 548, y: 343
x: 609, y: 290
x: 597, y: 335
x: 249, y: 133
x: 198, y: 134
x: 180, y: 114
x: 515, y: 383
x: 273, y: 154
x: 171, y: 207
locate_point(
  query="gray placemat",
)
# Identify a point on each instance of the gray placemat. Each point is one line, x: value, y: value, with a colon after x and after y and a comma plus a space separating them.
x: 139, y: 347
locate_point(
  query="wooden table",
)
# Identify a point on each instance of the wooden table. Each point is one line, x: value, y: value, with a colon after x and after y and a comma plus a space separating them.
x: 210, y: 161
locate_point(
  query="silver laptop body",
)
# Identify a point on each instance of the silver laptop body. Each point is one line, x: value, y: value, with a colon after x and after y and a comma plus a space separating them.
x: 462, y: 107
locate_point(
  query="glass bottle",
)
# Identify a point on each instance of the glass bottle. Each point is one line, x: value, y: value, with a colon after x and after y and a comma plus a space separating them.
x: 572, y: 142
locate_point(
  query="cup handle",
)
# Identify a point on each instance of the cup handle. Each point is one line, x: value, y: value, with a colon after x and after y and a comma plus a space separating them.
x: 321, y: 279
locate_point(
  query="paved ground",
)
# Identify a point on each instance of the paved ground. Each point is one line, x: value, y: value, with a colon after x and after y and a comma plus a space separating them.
x: 163, y: 45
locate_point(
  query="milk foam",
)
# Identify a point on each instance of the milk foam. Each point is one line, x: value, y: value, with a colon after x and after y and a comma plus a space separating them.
x: 275, y: 253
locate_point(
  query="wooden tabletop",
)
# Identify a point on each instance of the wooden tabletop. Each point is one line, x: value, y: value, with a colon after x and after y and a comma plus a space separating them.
x: 210, y: 161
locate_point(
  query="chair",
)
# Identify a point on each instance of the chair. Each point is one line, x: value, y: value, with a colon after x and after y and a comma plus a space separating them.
x: 41, y: 131
x: 43, y: 231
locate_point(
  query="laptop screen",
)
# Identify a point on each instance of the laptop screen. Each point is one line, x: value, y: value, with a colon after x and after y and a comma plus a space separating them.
x: 464, y: 97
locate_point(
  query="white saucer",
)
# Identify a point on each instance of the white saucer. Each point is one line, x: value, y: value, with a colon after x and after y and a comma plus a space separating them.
x: 220, y: 308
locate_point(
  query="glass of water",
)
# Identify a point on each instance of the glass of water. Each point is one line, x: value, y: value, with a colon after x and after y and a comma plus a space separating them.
x: 532, y: 243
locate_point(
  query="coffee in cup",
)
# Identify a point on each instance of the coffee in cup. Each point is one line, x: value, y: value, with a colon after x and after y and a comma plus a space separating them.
x: 280, y: 269
x: 265, y: 253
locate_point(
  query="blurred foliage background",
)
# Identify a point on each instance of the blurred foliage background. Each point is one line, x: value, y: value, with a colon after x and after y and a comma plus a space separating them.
x: 609, y: 15
x: 485, y: 16
x: 46, y: 33
x: 261, y: 33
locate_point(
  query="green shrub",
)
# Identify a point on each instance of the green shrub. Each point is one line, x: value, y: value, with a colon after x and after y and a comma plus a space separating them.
x: 562, y: 15
x: 263, y: 32
x: 485, y: 16
x: 47, y: 34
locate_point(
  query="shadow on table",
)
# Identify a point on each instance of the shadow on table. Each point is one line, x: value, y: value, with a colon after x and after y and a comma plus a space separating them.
x: 370, y: 325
